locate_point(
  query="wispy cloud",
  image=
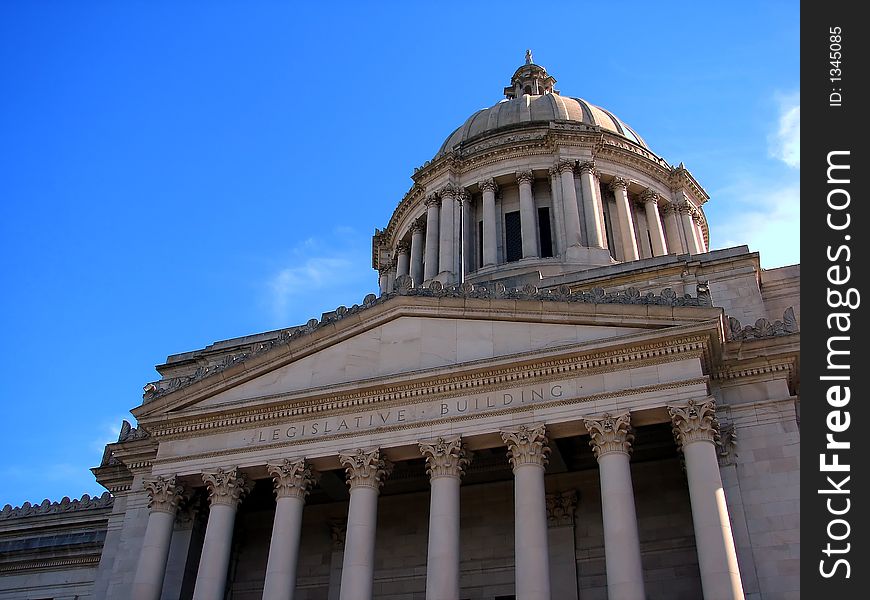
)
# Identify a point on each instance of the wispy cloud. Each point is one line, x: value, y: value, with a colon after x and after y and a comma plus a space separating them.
x: 319, y: 274
x: 785, y: 143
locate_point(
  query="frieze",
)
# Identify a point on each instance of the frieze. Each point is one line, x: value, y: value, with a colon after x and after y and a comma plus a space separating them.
x: 47, y: 507
x: 404, y: 287
x: 763, y: 328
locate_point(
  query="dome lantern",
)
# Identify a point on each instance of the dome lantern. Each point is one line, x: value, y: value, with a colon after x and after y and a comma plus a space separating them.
x: 530, y: 79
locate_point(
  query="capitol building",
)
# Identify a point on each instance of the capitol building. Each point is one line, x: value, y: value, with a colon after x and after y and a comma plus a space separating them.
x: 560, y: 392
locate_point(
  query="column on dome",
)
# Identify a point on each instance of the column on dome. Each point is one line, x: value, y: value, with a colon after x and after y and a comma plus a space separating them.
x: 391, y: 276
x: 447, y: 241
x: 592, y: 207
x: 569, y: 203
x: 163, y: 498
x: 695, y: 431
x: 650, y: 200
x: 293, y: 480
x: 384, y: 279
x: 226, y: 488
x: 366, y: 471
x: 527, y: 451
x: 619, y: 186
x: 433, y: 208
x: 403, y: 259
x: 488, y: 188
x: 671, y: 219
x: 689, y: 232
x: 417, y: 242
x: 611, y: 437
x: 446, y: 460
x: 528, y: 215
x: 558, y: 212
x: 699, y: 231
x: 462, y: 264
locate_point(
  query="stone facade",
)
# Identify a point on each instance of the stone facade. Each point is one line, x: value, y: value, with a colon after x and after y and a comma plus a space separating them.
x: 559, y: 393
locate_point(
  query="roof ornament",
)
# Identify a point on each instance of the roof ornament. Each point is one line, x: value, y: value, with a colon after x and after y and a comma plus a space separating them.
x: 529, y: 57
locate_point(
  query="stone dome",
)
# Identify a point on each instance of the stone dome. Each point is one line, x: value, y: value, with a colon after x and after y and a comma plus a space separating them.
x: 530, y: 108
x: 531, y: 98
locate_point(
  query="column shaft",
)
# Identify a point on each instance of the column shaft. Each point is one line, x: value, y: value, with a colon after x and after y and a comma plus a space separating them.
x: 446, y: 227
x: 592, y: 208
x: 211, y: 577
x: 403, y: 260
x: 148, y: 580
x: 689, y: 230
x: 432, y: 238
x: 490, y: 247
x: 558, y: 212
x: 569, y: 205
x: 702, y: 245
x: 417, y: 255
x: 357, y: 574
x: 621, y: 541
x: 672, y: 227
x: 442, y: 564
x: 281, y: 567
x: 654, y: 223
x: 626, y: 221
x: 528, y: 215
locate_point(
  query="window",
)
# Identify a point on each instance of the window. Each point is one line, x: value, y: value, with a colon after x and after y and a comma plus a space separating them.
x: 513, y: 236
x: 545, y: 236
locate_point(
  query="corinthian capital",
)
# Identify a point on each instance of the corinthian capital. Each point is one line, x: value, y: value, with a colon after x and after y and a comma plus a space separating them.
x: 293, y: 478
x: 561, y: 507
x: 163, y: 494
x: 403, y: 247
x: 527, y: 445
x: 365, y: 468
x: 418, y: 224
x: 445, y: 457
x: 226, y: 486
x: 610, y: 433
x: 618, y: 183
x: 588, y: 167
x: 433, y: 199
x: 649, y: 196
x: 694, y: 422
x: 450, y: 191
x: 488, y: 185
x: 525, y: 177
x: 565, y: 165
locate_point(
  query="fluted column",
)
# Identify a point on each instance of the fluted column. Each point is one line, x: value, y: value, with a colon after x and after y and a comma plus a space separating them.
x: 447, y: 239
x: 689, y: 231
x: 528, y: 215
x: 569, y: 203
x: 445, y: 463
x: 626, y: 221
x: 594, y: 211
x: 611, y: 438
x: 366, y: 471
x: 527, y: 451
x: 433, y: 208
x: 163, y: 498
x: 403, y: 259
x: 293, y: 480
x: 490, y: 246
x: 699, y: 231
x: 650, y: 201
x: 417, y: 241
x: 671, y: 218
x: 226, y: 488
x: 695, y: 430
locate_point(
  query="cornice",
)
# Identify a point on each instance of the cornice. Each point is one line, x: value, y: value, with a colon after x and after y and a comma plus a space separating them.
x: 477, y: 380
x: 54, y: 563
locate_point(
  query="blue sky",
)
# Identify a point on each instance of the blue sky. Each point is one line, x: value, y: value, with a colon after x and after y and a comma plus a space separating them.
x: 172, y: 174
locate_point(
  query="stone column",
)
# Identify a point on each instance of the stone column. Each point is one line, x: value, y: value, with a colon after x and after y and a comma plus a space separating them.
x: 699, y: 232
x: 445, y: 463
x: 558, y: 212
x: 366, y: 471
x: 672, y: 227
x: 433, y: 207
x: 527, y: 451
x: 226, y: 488
x: 592, y: 207
x: 293, y: 480
x: 391, y: 276
x: 626, y: 222
x: 611, y: 438
x: 163, y: 498
x: 569, y: 203
x: 447, y: 240
x: 650, y: 201
x: 490, y: 245
x: 688, y: 225
x: 338, y: 532
x: 695, y: 431
x: 528, y: 215
x: 417, y: 242
x: 403, y: 259
x: 561, y: 507
x: 468, y: 263
x: 384, y: 279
